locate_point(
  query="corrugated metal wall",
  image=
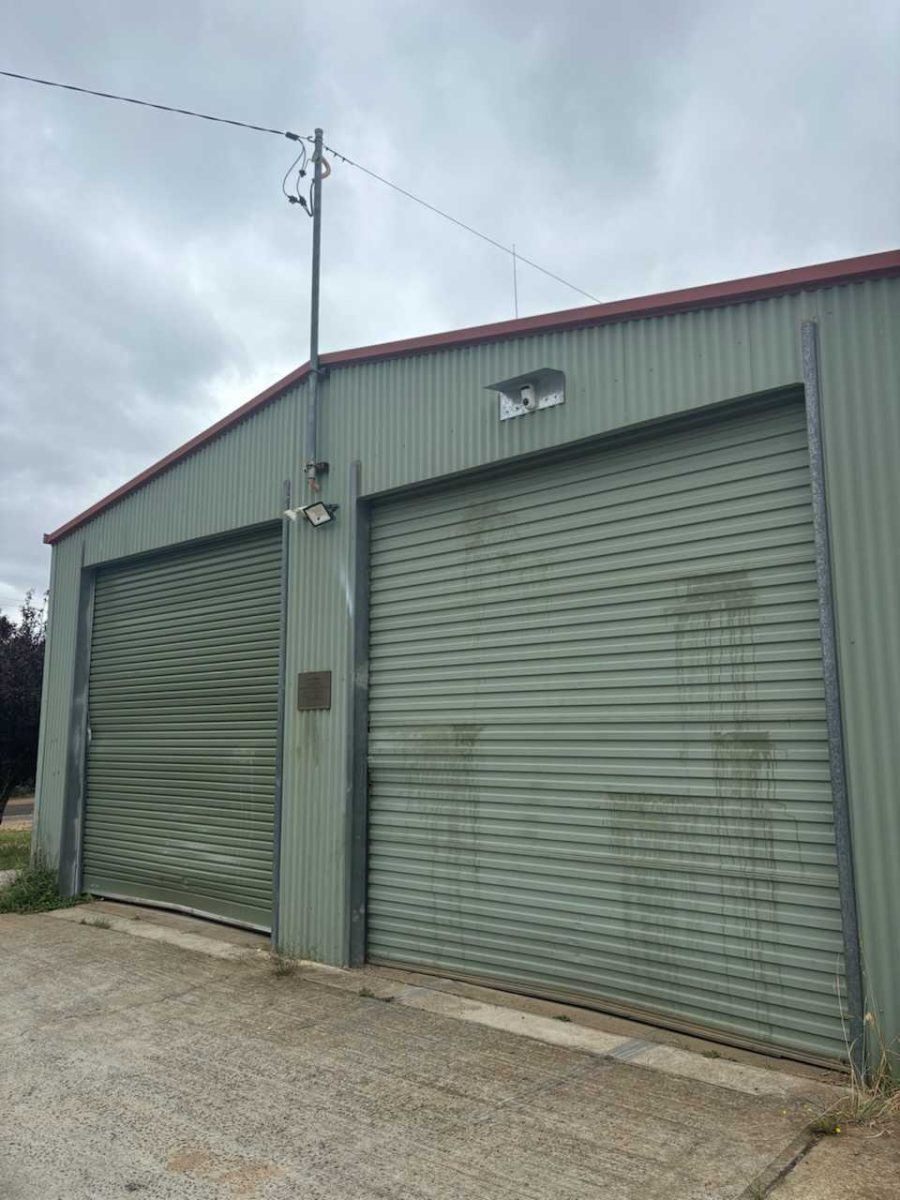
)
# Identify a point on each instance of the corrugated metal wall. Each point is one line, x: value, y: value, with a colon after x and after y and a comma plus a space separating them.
x: 428, y: 416
x: 860, y: 348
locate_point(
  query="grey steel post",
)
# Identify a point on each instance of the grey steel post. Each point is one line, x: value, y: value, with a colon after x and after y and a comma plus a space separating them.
x: 809, y: 344
x: 312, y: 412
x: 357, y: 785
x: 280, y: 721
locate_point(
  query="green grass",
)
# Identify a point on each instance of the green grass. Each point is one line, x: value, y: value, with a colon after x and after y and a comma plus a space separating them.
x: 15, y: 849
x: 34, y: 890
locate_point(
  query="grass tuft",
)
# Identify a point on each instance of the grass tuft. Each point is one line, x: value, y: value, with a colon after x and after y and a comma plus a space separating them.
x: 367, y: 994
x: 829, y: 1123
x: 282, y: 966
x: 872, y: 1100
x: 35, y: 889
x: 97, y: 922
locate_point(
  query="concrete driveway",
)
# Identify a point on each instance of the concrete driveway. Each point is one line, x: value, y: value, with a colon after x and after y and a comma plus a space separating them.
x: 131, y: 1066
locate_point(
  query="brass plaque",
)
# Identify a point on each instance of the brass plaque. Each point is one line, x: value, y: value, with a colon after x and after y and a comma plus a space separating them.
x: 313, y: 690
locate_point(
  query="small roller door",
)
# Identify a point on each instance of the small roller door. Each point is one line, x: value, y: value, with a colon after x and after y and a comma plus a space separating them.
x: 183, y: 724
x: 598, y: 753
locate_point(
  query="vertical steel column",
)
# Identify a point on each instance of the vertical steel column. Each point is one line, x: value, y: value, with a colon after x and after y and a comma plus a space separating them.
x: 809, y: 343
x: 357, y: 776
x: 279, y: 746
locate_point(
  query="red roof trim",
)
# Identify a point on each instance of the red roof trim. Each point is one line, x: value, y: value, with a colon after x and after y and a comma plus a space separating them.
x: 757, y: 287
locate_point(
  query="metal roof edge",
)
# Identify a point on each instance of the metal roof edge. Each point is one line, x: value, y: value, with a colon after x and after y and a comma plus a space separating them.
x: 754, y: 287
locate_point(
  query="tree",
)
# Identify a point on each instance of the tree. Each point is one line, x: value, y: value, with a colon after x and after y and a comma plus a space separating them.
x: 21, y: 672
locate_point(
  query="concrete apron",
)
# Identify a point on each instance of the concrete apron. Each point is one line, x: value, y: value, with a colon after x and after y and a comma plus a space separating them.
x: 173, y: 1064
x: 706, y: 1066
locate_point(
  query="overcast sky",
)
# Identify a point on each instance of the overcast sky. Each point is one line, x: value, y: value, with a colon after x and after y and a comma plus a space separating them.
x: 153, y: 276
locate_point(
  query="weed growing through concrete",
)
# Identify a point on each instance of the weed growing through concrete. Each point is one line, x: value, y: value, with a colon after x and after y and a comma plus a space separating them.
x: 283, y: 966
x: 873, y: 1099
x: 827, y: 1124
x: 562, y: 1017
x: 877, y: 1097
x: 35, y: 889
x: 368, y: 994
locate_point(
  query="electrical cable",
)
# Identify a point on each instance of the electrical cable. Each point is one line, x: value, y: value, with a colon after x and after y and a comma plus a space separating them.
x: 294, y: 196
x: 462, y: 225
x: 297, y: 198
x: 184, y: 112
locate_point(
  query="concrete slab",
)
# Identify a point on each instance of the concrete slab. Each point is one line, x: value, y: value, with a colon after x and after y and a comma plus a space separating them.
x: 132, y: 1066
x: 857, y: 1164
x: 181, y: 922
x: 759, y: 1077
x: 101, y: 916
x: 630, y: 1029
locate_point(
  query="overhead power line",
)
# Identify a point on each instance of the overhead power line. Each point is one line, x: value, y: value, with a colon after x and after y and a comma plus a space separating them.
x: 296, y: 137
x: 462, y: 225
x: 184, y: 112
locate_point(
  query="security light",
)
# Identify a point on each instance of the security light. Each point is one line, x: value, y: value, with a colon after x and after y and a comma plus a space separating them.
x: 543, y: 387
x: 319, y: 513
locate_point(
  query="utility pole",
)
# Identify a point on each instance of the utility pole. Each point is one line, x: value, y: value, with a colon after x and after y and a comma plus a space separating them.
x: 312, y: 413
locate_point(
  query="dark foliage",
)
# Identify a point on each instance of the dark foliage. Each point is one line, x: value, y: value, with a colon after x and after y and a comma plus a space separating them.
x: 21, y: 671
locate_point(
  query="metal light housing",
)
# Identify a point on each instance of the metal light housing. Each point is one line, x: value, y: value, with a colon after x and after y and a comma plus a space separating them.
x: 544, y: 387
x: 318, y: 513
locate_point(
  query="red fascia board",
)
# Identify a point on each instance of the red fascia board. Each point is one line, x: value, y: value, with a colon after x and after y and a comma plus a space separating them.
x: 756, y: 287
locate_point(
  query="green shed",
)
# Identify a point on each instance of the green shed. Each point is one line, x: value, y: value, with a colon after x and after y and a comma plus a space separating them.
x: 587, y: 687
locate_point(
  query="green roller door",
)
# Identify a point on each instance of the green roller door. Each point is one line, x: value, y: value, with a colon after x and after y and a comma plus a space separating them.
x: 183, y: 727
x: 598, y: 754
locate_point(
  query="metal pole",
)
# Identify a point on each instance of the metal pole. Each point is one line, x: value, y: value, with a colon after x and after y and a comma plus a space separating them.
x: 284, y: 584
x: 312, y: 414
x: 358, y: 722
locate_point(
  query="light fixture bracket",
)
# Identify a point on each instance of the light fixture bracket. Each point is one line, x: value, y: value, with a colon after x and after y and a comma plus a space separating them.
x: 317, y: 513
x: 544, y: 387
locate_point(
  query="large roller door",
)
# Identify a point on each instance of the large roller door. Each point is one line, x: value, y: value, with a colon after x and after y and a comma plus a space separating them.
x: 598, y: 754
x: 183, y: 725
